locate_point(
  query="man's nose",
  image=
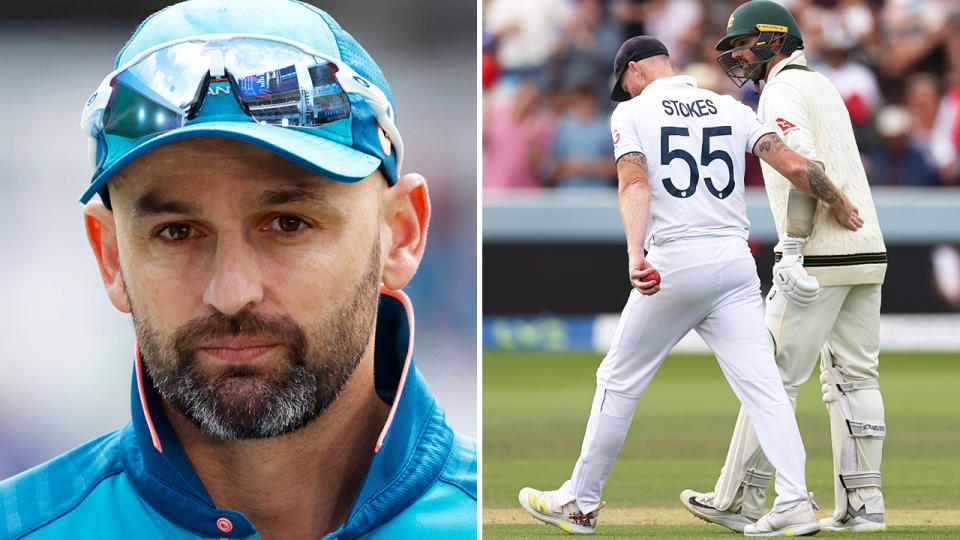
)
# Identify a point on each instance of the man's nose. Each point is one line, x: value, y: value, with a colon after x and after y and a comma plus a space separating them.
x: 236, y: 281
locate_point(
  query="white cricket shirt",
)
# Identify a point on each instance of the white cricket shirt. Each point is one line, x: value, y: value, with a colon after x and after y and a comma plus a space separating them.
x: 808, y: 110
x: 694, y: 141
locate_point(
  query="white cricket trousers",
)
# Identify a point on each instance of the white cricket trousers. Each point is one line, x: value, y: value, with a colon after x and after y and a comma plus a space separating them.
x: 710, y: 285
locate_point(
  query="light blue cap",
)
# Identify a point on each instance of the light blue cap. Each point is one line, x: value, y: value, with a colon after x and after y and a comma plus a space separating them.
x: 347, y: 150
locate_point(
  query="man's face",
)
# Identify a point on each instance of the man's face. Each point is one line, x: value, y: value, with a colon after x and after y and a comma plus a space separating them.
x: 745, y: 55
x: 253, y: 283
x: 740, y: 63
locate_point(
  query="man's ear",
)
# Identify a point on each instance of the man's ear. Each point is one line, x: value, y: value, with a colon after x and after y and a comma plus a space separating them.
x: 102, y: 235
x: 776, y: 44
x: 636, y: 68
x: 406, y: 215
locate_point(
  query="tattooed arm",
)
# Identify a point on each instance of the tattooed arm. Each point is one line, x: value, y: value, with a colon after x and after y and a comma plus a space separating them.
x: 809, y: 177
x: 634, y: 195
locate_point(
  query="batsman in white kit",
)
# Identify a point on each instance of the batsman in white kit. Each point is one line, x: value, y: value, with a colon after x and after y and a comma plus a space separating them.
x: 680, y: 161
x: 826, y: 295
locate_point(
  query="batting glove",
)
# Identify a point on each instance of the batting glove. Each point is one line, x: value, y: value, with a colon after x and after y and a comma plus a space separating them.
x: 791, y: 278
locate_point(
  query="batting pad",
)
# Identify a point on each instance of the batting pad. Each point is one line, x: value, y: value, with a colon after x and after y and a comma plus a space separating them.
x: 857, y: 430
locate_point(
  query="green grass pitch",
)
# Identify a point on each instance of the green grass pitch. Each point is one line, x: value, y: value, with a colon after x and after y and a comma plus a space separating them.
x: 535, y: 407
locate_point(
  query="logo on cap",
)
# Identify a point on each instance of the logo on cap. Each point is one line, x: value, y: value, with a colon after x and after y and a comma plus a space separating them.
x: 730, y: 22
x: 770, y: 27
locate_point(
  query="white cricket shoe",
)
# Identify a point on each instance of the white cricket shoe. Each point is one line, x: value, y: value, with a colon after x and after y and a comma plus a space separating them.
x: 854, y: 521
x: 702, y: 506
x: 798, y: 520
x: 543, y: 506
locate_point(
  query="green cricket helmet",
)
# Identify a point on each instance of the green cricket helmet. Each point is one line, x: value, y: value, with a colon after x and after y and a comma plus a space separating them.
x: 772, y: 24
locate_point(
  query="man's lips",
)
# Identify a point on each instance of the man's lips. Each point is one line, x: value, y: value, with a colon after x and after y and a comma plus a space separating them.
x: 237, y: 351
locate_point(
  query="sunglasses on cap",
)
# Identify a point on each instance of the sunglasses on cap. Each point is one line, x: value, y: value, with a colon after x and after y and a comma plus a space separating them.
x: 275, y: 81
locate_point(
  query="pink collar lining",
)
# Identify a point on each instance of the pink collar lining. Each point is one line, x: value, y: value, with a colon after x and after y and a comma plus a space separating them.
x: 408, y: 306
x: 143, y: 398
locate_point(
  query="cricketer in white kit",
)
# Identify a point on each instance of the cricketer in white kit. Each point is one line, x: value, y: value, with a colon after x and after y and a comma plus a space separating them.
x: 680, y: 160
x: 826, y: 298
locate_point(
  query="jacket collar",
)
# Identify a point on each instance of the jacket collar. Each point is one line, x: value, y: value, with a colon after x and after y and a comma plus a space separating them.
x: 411, y: 450
x: 797, y: 57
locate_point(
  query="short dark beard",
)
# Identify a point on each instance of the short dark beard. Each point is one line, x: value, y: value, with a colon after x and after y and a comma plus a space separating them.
x: 245, y: 402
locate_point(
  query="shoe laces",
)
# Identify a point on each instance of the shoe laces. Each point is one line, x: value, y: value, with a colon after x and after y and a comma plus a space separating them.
x: 550, y: 498
x: 572, y: 510
x: 708, y: 498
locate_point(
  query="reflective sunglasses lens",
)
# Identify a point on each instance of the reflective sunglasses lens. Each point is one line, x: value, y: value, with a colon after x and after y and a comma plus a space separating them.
x: 133, y: 114
x: 278, y: 84
x: 330, y: 102
x: 306, y: 94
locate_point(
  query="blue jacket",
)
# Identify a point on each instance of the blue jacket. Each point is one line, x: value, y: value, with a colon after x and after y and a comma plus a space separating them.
x: 422, y: 481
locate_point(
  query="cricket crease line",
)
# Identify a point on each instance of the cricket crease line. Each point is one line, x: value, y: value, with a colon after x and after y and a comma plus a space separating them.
x: 680, y: 516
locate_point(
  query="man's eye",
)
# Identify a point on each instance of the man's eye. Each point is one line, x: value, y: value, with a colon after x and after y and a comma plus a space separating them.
x: 288, y: 223
x: 177, y: 232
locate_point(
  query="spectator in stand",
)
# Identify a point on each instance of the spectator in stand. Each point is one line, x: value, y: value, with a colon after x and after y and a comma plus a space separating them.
x: 857, y: 18
x: 854, y: 19
x: 922, y: 98
x: 489, y: 67
x: 951, y: 46
x: 914, y: 31
x: 631, y: 14
x: 677, y: 24
x: 516, y: 135
x: 856, y: 83
x: 589, y: 42
x: 580, y: 154
x: 527, y: 33
x: 868, y: 48
x: 816, y: 22
x: 945, y: 136
x: 897, y: 161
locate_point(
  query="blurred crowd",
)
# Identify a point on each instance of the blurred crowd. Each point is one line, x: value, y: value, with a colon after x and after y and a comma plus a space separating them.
x: 547, y: 67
